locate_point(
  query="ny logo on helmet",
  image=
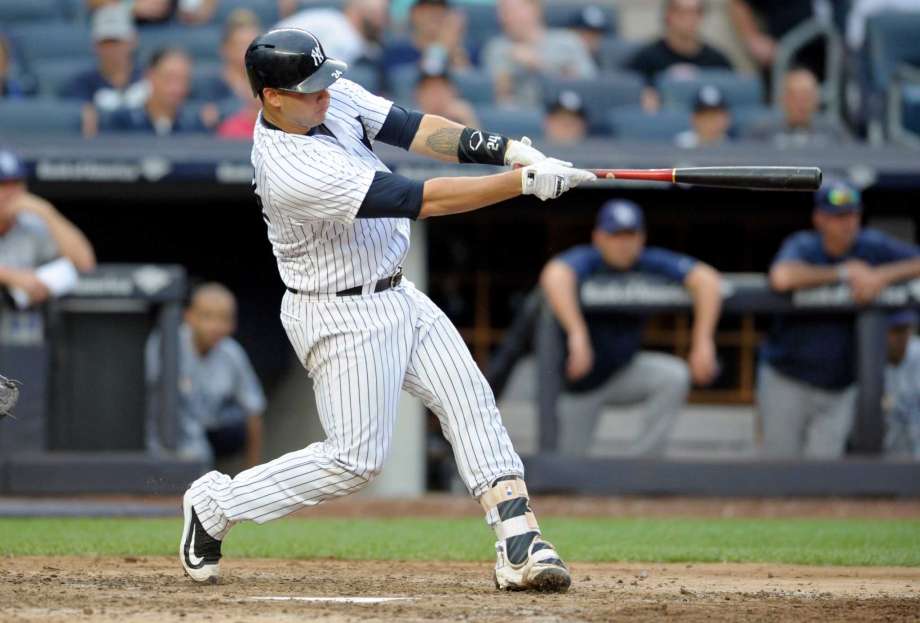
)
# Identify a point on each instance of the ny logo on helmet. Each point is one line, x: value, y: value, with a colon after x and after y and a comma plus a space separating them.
x: 317, y: 56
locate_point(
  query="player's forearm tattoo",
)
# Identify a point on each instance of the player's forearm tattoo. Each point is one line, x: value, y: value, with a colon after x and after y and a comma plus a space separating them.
x: 444, y: 141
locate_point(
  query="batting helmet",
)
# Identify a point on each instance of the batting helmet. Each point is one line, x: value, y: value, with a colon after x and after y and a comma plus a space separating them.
x: 290, y: 59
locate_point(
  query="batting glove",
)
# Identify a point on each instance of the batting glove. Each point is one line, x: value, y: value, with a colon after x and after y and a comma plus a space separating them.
x: 521, y: 154
x: 550, y: 178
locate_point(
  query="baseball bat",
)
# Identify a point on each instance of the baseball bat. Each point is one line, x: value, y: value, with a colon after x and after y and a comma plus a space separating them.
x: 753, y: 178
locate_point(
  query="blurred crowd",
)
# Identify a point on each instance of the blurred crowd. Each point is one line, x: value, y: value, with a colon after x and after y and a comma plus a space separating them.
x: 826, y: 72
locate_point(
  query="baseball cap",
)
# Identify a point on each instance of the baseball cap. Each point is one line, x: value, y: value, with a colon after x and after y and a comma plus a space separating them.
x: 902, y: 318
x: 11, y: 167
x: 620, y: 215
x: 568, y: 101
x: 838, y: 197
x: 113, y: 22
x: 591, y: 17
x: 709, y: 97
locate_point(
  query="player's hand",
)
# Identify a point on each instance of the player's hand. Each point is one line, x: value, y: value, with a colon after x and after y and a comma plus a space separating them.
x: 704, y: 366
x: 581, y: 355
x: 28, y: 282
x: 550, y: 178
x: 865, y: 282
x: 521, y: 154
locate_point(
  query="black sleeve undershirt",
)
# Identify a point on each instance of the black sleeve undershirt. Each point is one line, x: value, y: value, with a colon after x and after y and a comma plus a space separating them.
x: 400, y: 127
x: 392, y: 196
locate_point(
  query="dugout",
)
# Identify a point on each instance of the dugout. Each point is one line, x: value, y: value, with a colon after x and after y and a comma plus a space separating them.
x: 187, y: 201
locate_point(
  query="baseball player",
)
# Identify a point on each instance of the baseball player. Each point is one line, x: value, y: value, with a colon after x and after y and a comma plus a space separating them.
x: 338, y: 221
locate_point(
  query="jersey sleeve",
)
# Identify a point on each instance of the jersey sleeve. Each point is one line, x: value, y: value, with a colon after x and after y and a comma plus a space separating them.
x: 317, y: 183
x: 798, y: 247
x: 372, y: 109
x: 249, y: 392
x: 889, y: 249
x: 46, y: 249
x: 583, y: 259
x: 665, y: 263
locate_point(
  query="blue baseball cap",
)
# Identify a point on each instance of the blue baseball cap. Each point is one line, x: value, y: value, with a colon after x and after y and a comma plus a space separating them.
x: 620, y: 215
x: 903, y: 318
x: 11, y: 167
x: 838, y: 197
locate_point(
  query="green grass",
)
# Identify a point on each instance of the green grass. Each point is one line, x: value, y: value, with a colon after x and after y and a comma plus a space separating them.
x: 798, y: 541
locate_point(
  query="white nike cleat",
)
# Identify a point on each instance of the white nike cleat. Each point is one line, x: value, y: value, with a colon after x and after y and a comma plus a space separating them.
x: 199, y: 552
x: 542, y: 571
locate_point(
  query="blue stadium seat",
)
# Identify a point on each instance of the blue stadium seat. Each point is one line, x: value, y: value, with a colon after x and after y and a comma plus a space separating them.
x: 600, y: 94
x: 67, y: 41
x: 562, y: 14
x: 201, y: 42
x: 54, y: 75
x: 365, y: 75
x: 30, y: 11
x: 74, y: 10
x: 40, y: 116
x: 265, y: 10
x: 633, y: 123
x: 738, y: 89
x: 891, y: 39
x: 401, y: 83
x: 746, y: 118
x: 910, y: 101
x: 481, y: 24
x: 515, y: 122
x: 616, y: 53
x: 206, y: 81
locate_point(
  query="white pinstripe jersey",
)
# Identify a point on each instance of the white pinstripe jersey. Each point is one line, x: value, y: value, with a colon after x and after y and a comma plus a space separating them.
x: 311, y: 187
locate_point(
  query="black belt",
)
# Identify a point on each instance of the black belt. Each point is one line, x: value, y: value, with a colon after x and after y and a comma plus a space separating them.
x: 383, y: 284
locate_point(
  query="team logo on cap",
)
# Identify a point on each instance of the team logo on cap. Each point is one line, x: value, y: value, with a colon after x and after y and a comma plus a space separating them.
x: 625, y: 215
x: 317, y: 56
x: 8, y: 165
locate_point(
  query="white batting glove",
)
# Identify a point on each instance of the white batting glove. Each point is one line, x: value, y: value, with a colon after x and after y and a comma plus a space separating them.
x: 521, y: 154
x: 550, y: 178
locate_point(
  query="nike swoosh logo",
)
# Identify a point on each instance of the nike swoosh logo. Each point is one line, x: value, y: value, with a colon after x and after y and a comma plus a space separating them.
x: 192, y: 558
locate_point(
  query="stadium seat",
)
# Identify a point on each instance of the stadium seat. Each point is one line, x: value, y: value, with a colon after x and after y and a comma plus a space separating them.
x: 910, y: 102
x: 892, y: 39
x: 738, y: 89
x: 74, y: 10
x: 600, y: 94
x: 616, y: 53
x: 265, y: 10
x: 365, y: 75
x: 201, y: 42
x: 13, y: 11
x: 40, y: 116
x: 473, y: 86
x: 562, y: 14
x: 481, y: 24
x: 511, y: 121
x: 206, y: 81
x: 633, y: 123
x: 68, y: 41
x: 54, y: 75
x: 746, y: 118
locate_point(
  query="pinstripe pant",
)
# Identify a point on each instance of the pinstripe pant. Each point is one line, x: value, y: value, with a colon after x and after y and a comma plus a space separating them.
x: 360, y: 352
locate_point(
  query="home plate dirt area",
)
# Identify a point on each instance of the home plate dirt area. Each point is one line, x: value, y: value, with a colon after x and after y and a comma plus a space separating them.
x: 154, y: 589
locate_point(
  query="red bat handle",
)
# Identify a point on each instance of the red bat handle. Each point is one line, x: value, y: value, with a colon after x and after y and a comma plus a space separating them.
x: 653, y: 175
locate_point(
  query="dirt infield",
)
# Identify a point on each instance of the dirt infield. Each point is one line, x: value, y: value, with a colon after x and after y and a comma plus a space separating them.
x: 154, y: 589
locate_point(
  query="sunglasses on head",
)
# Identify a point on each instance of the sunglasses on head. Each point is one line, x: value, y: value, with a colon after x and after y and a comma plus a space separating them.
x: 841, y: 197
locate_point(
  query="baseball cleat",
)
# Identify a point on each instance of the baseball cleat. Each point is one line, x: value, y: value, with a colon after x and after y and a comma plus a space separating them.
x: 198, y: 550
x: 542, y: 571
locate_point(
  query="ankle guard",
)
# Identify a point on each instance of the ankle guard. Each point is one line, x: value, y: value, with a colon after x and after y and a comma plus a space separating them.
x: 508, y: 512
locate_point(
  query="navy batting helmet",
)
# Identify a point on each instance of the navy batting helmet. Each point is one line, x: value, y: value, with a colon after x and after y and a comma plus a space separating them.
x: 290, y: 59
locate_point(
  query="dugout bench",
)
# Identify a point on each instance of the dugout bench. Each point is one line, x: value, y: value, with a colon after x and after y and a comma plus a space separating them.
x: 864, y: 474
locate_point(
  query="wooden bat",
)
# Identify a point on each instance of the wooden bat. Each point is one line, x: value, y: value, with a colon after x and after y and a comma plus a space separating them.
x: 753, y: 178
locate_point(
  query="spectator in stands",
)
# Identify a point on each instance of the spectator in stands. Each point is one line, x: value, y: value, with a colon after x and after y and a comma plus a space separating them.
x: 566, y: 122
x: 711, y: 120
x: 231, y: 92
x: 9, y: 87
x: 436, y: 94
x: 801, y: 125
x: 191, y: 12
x: 760, y: 24
x: 351, y: 35
x: 806, y: 390
x: 527, y: 51
x: 116, y: 81
x: 220, y: 398
x: 165, y: 111
x: 435, y: 29
x: 591, y: 24
x: 239, y: 125
x: 604, y: 364
x: 40, y: 250
x: 902, y: 386
x: 681, y: 52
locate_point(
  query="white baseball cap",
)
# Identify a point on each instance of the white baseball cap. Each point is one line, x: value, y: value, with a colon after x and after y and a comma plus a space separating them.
x: 113, y: 22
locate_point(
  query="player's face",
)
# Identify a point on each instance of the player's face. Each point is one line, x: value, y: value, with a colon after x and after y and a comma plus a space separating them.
x: 211, y: 317
x: 711, y: 125
x: 800, y: 98
x: 620, y: 250
x: 838, y: 231
x: 304, y: 110
x: 114, y: 53
x: 170, y: 80
x: 564, y: 128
